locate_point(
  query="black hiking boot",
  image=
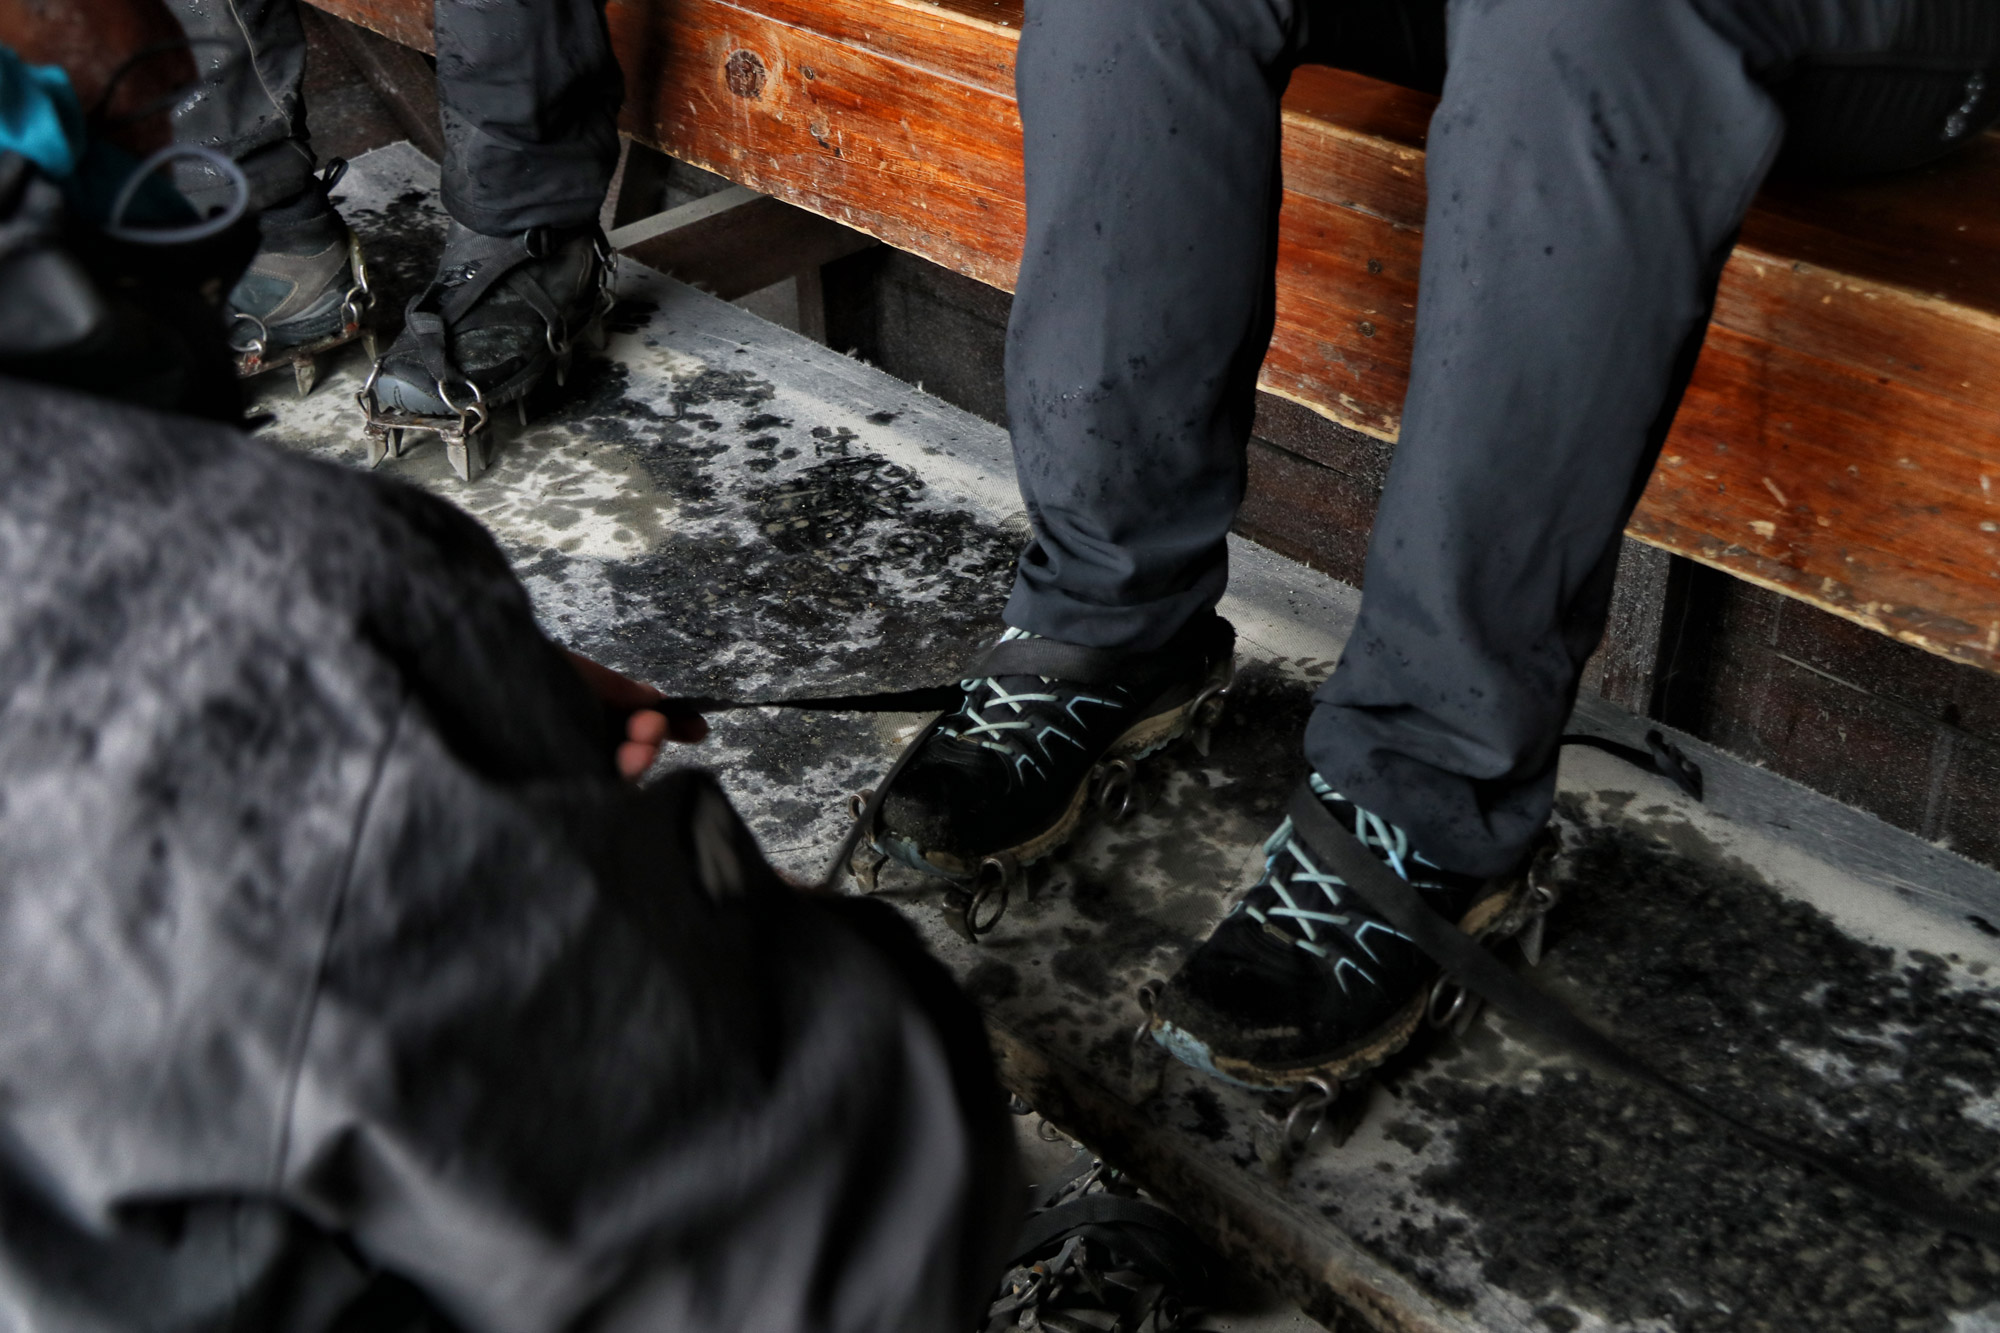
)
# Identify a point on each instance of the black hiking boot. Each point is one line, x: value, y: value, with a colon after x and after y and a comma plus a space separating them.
x: 1302, y: 984
x: 1004, y: 780
x: 305, y: 293
x: 501, y: 312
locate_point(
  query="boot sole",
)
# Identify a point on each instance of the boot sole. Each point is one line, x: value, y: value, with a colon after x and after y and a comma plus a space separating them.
x: 1146, y: 737
x: 1498, y: 916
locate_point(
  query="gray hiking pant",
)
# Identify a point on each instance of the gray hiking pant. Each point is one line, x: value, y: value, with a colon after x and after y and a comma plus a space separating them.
x: 1588, y: 168
x: 528, y: 89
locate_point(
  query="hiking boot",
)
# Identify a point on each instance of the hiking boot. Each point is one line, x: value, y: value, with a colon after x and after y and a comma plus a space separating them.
x: 1302, y: 984
x: 306, y: 291
x: 500, y: 313
x: 1004, y: 780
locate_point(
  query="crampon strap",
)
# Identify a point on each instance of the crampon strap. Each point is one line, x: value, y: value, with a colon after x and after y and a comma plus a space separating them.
x: 1010, y: 657
x: 1480, y: 972
x: 1058, y: 661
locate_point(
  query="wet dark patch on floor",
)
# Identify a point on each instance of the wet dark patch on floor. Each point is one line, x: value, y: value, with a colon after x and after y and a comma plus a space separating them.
x: 1592, y: 1190
x: 848, y: 538
x: 1210, y: 1120
x: 992, y: 981
x: 1082, y: 967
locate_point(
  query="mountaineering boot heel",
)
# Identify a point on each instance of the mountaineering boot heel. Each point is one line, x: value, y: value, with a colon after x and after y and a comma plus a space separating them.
x: 1044, y: 728
x: 1302, y: 984
x: 305, y: 292
x: 499, y: 314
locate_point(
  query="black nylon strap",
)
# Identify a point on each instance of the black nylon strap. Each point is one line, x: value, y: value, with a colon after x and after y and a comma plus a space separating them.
x: 431, y: 310
x: 1480, y: 972
x: 923, y: 699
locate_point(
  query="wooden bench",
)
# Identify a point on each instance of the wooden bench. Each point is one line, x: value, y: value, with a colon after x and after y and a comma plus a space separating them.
x: 1840, y: 441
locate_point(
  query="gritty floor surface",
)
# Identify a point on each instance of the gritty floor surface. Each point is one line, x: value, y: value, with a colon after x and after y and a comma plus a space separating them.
x: 723, y: 508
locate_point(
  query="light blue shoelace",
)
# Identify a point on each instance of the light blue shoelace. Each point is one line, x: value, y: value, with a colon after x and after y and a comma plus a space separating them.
x: 1373, y: 832
x: 988, y: 725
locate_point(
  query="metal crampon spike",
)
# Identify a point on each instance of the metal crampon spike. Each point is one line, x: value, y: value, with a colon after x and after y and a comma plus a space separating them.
x: 1205, y: 712
x: 458, y: 448
x: 304, y: 371
x: 368, y: 344
x: 1530, y: 940
x: 378, y: 447
x: 1542, y: 896
x: 1148, y: 996
x: 866, y: 867
x: 521, y: 409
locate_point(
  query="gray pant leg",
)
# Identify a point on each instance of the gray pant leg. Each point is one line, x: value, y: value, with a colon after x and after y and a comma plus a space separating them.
x: 529, y: 92
x: 1144, y: 304
x: 251, y: 55
x: 1588, y: 168
x: 528, y: 88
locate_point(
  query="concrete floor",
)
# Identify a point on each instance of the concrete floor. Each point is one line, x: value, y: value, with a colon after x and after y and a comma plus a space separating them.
x: 724, y: 508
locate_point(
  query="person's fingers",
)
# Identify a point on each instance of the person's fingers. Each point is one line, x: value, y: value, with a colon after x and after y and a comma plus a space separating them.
x: 646, y: 727
x: 634, y: 758
x: 653, y: 726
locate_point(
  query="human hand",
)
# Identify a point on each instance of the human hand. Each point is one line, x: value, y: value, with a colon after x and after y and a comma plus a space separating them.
x: 646, y: 729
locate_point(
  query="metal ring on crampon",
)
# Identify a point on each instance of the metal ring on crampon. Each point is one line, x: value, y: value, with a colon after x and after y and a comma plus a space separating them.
x: 1447, y: 1003
x: 857, y: 803
x: 471, y: 417
x: 1114, y: 789
x: 1307, y: 1114
x: 255, y: 347
x: 991, y: 884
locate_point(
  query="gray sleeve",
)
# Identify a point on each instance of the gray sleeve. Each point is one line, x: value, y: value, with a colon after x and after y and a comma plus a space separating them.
x: 646, y: 1086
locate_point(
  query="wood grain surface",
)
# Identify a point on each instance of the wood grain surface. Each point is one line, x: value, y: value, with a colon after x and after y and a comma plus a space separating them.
x: 1840, y: 442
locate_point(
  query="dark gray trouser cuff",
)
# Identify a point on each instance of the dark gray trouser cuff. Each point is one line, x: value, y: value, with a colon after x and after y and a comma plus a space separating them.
x: 529, y: 92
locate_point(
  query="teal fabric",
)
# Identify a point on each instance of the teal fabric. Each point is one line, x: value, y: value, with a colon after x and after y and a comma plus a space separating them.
x: 40, y: 117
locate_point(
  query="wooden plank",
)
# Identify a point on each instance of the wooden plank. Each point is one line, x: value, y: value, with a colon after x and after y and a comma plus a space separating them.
x: 1865, y: 317
x: 1869, y: 498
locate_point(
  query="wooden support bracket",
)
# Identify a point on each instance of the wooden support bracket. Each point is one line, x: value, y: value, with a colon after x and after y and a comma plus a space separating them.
x: 736, y: 241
